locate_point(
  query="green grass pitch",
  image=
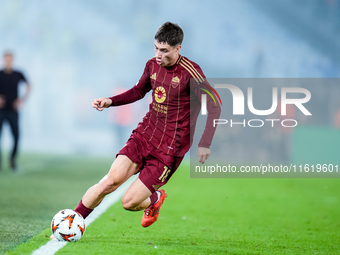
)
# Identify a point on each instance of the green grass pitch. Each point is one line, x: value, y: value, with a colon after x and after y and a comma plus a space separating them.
x: 200, y: 216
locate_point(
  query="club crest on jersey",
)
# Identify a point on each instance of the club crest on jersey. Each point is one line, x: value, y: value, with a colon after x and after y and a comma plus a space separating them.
x: 175, y: 82
x: 160, y: 94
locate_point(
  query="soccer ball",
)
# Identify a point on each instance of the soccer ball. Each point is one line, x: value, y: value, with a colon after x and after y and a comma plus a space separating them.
x: 68, y: 225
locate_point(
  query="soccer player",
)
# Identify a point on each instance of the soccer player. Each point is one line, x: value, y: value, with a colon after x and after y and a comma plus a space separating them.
x: 158, y: 144
x: 10, y: 102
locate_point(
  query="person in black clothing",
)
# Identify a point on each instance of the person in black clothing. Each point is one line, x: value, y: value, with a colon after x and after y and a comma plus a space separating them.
x: 10, y: 103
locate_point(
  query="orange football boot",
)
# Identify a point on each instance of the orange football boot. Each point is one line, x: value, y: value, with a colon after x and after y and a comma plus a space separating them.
x: 151, y: 213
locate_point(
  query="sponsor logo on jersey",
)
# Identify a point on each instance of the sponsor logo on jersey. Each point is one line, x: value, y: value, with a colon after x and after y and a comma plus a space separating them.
x: 160, y: 94
x: 175, y: 82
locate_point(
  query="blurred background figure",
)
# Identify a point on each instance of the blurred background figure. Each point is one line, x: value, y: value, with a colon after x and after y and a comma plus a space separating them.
x: 122, y: 119
x: 10, y: 102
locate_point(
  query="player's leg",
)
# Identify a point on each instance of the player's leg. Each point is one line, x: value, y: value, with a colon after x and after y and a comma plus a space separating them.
x: 121, y: 170
x: 144, y: 193
x: 139, y: 197
x: 13, y: 118
x: 2, y: 118
x: 152, y: 176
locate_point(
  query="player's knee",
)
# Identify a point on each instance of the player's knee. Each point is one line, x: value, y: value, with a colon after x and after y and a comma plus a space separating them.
x: 129, y: 204
x: 107, y: 186
x: 110, y: 182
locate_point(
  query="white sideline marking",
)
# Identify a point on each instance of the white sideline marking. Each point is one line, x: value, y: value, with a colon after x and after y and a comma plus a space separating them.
x: 52, y: 246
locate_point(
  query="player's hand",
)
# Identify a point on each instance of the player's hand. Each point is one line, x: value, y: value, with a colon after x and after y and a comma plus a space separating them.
x: 101, y: 103
x: 203, y: 154
x: 2, y: 101
x: 17, y: 104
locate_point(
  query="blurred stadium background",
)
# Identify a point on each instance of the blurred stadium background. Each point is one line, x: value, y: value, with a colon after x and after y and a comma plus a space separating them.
x: 75, y: 51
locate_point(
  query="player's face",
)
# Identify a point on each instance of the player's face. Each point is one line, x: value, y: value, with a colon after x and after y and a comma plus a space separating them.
x: 8, y: 59
x: 166, y: 55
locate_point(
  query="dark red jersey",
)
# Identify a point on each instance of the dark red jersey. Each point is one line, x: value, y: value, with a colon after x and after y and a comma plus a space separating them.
x: 175, y: 106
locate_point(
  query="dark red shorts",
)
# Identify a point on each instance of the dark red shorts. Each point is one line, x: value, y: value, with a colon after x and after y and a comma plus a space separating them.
x: 155, y: 167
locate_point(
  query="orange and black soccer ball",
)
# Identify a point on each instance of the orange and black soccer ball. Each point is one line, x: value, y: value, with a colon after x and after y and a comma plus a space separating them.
x: 68, y: 225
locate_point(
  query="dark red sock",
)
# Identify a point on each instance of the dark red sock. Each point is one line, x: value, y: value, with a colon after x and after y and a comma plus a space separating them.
x: 83, y: 210
x: 154, y: 198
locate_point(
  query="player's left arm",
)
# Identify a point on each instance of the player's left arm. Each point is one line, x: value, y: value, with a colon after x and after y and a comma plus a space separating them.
x: 214, y: 111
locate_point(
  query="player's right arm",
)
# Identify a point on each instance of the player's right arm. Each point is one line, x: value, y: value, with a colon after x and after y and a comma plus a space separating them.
x: 137, y: 92
x: 101, y: 103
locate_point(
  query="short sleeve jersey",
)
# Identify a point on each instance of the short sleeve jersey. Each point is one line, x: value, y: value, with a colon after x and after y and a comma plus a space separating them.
x: 9, y: 84
x: 170, y: 119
